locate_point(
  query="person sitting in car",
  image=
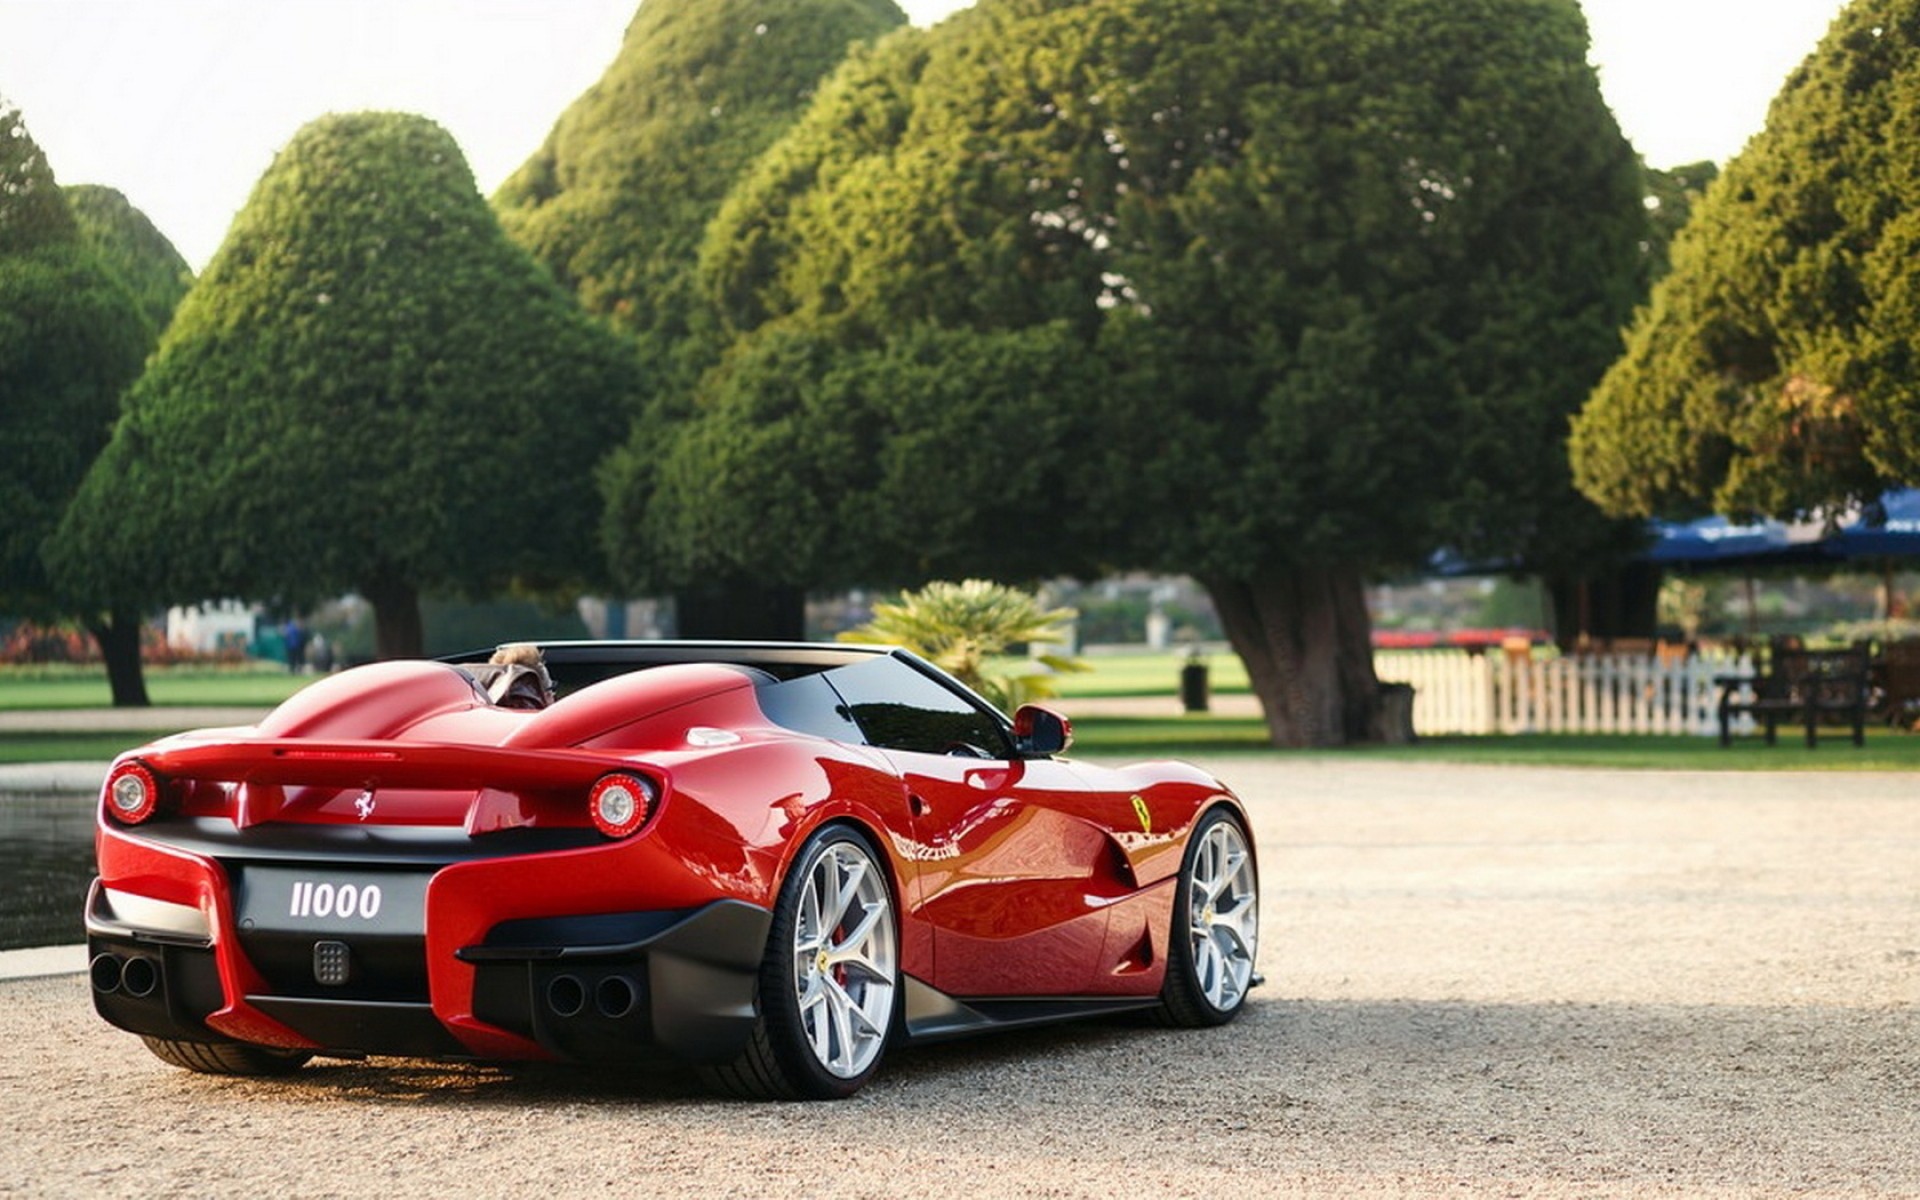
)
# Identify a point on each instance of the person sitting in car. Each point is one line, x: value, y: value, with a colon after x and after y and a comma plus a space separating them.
x: 515, y: 677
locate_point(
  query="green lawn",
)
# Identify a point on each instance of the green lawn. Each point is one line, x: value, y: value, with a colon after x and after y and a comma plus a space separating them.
x: 1104, y: 737
x: 92, y: 746
x: 1150, y: 675
x: 240, y: 687
x: 1198, y: 735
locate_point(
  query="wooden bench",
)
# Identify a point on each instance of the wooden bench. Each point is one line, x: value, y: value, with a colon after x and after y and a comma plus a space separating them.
x: 1801, y: 685
x: 1900, y: 682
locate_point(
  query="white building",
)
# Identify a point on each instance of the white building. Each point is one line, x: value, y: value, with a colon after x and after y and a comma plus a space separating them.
x: 228, y: 624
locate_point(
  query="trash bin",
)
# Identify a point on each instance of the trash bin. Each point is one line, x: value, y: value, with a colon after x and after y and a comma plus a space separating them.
x: 1193, y: 687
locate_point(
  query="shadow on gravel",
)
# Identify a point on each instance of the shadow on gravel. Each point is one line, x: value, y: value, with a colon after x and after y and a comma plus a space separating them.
x: 1673, y: 1098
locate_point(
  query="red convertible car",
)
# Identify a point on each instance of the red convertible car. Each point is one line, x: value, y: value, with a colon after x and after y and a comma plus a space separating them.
x: 771, y: 861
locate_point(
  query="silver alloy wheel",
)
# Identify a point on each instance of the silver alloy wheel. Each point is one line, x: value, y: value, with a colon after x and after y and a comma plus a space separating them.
x: 1223, y: 916
x: 845, y: 959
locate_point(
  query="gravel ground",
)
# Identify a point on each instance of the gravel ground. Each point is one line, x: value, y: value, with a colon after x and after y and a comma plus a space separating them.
x: 1503, y: 982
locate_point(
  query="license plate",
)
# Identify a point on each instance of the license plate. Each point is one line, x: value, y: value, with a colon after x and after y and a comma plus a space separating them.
x: 281, y: 899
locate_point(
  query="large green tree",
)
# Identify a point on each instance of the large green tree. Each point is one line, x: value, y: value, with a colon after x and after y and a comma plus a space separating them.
x: 1774, y: 369
x: 1348, y: 267
x: 158, y: 278
x: 1600, y: 584
x: 369, y: 388
x: 134, y: 248
x: 616, y: 200
x: 816, y: 464
x: 1671, y: 194
x: 71, y: 340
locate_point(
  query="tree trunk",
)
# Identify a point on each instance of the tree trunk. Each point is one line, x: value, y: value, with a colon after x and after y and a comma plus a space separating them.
x: 397, y: 629
x: 1307, y: 642
x: 118, y: 635
x: 741, y: 611
x: 1623, y: 603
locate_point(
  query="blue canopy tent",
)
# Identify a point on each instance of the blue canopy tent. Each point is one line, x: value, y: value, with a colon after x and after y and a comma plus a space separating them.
x: 1869, y: 537
x: 1714, y: 540
x: 1872, y: 537
x: 1887, y: 528
x: 1718, y: 542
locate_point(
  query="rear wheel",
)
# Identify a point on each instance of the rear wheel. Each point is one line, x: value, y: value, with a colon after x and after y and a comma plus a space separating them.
x: 1216, y: 926
x: 227, y: 1058
x: 830, y: 985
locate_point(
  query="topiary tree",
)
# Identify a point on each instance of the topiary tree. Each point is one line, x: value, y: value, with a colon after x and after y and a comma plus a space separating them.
x: 139, y: 253
x: 1347, y: 267
x: 1773, y: 371
x: 158, y: 278
x: 71, y: 339
x: 1671, y: 195
x: 616, y: 200
x: 814, y: 464
x: 370, y: 388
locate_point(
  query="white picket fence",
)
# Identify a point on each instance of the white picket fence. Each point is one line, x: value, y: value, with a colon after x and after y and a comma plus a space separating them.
x: 1456, y: 692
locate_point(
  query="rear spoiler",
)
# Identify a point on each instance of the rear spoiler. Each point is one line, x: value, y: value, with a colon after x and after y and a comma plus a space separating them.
x: 264, y: 767
x: 370, y: 763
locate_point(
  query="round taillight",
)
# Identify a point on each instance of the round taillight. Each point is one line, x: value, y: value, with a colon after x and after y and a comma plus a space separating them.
x: 621, y: 803
x: 132, y: 794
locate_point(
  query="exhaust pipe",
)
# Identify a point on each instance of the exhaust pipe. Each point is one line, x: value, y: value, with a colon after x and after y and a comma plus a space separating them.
x: 616, y: 996
x: 566, y: 996
x: 140, y: 977
x: 104, y: 972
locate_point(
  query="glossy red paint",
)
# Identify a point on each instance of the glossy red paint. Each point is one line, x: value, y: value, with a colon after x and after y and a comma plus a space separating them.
x: 163, y: 873
x: 1012, y: 878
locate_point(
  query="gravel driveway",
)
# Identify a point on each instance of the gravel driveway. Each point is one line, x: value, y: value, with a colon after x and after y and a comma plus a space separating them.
x: 1505, y: 982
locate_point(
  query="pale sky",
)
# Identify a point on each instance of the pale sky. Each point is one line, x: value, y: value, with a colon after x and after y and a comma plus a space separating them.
x: 181, y: 103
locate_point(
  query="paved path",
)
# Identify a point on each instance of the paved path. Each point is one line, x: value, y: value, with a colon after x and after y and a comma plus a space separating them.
x: 1482, y: 982
x: 41, y: 961
x: 157, y: 720
x: 86, y: 776
x: 52, y: 777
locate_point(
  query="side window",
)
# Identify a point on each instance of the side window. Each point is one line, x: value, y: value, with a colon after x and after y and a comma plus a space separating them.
x: 808, y: 704
x: 898, y: 708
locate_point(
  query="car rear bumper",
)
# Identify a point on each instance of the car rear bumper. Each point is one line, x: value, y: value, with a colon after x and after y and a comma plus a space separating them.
x: 449, y: 962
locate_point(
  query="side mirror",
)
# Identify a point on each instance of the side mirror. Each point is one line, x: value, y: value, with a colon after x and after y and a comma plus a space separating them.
x: 1040, y: 732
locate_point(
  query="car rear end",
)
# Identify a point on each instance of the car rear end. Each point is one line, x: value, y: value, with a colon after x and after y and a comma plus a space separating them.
x: 410, y: 897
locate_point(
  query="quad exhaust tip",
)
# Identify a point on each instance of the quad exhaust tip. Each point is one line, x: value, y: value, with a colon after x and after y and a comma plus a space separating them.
x: 614, y: 996
x: 138, y: 977
x: 566, y: 996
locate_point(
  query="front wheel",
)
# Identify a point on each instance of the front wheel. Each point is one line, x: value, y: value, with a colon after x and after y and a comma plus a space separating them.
x: 830, y: 984
x: 1216, y: 926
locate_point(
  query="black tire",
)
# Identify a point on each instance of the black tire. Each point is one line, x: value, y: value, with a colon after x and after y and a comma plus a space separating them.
x: 226, y: 1058
x: 780, y: 1062
x: 1193, y: 997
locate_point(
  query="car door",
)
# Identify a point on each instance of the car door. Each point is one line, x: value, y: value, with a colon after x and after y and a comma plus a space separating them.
x: 1016, y: 871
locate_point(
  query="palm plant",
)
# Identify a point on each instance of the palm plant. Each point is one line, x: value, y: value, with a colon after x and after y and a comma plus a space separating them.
x: 962, y: 628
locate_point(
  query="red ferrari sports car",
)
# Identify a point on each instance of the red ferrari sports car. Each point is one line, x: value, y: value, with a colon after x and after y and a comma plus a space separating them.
x: 769, y: 860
